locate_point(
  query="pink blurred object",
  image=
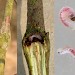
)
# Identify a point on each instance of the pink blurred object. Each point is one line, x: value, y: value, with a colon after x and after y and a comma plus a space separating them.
x: 7, y: 20
x: 67, y: 16
x: 67, y: 50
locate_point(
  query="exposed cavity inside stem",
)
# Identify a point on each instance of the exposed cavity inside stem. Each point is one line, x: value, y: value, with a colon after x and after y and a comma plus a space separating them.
x: 34, y: 38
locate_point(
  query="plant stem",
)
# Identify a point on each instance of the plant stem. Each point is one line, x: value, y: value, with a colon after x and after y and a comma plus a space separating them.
x: 5, y: 34
x: 9, y: 7
x: 35, y: 42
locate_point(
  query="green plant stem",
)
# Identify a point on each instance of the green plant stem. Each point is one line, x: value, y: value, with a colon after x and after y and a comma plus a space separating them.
x: 35, y: 55
x: 5, y: 34
x: 9, y: 7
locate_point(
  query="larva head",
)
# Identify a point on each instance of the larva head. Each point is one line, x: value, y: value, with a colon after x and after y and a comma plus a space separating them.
x: 62, y: 51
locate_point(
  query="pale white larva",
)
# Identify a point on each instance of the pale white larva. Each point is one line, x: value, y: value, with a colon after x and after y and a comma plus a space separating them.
x: 66, y: 50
